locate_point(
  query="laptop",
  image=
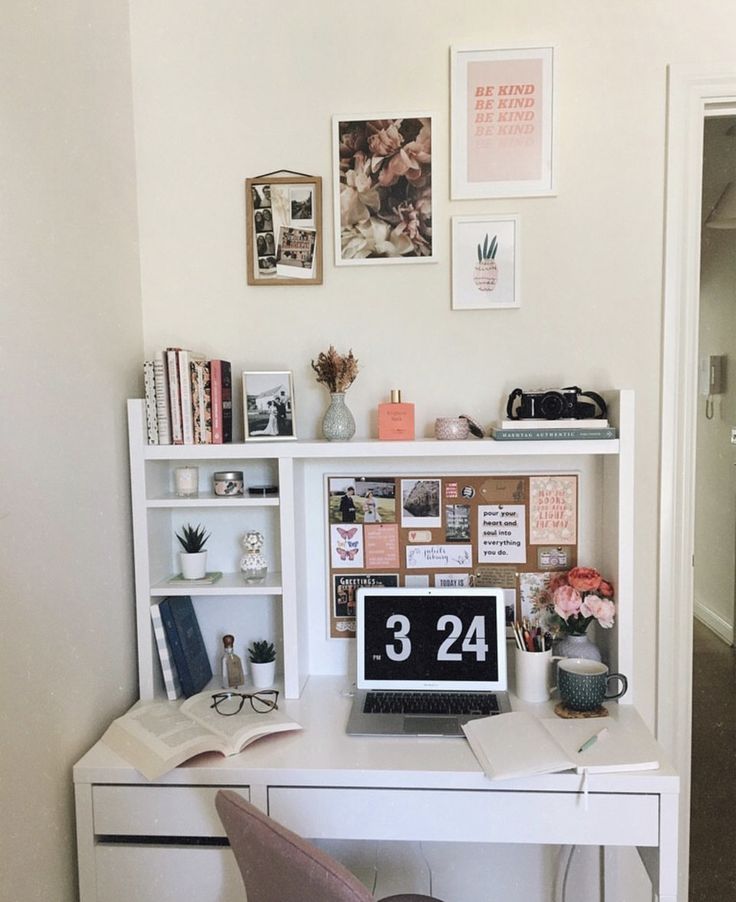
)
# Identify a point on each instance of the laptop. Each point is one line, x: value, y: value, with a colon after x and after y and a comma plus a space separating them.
x: 428, y: 660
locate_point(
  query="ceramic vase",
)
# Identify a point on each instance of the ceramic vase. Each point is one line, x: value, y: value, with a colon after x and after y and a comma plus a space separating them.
x: 338, y: 424
x: 263, y: 675
x: 576, y: 647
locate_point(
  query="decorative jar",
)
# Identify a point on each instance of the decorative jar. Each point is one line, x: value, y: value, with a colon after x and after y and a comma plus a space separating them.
x: 253, y: 565
x: 338, y: 424
x: 228, y: 482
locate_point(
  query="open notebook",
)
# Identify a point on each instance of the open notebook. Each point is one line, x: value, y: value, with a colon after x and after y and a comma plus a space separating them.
x: 518, y: 744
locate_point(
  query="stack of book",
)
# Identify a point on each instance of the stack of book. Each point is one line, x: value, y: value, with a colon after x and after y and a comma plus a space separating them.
x: 551, y: 430
x: 189, y: 399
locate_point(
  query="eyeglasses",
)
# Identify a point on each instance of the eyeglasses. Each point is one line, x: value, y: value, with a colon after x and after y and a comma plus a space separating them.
x: 229, y: 703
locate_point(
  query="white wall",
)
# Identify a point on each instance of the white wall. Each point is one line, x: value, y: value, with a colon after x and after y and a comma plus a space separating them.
x: 715, y: 509
x: 70, y: 346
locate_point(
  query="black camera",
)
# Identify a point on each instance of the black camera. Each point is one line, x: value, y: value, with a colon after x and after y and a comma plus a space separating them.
x: 555, y: 404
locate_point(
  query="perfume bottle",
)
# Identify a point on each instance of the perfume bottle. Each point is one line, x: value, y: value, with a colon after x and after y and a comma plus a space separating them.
x: 396, y: 419
x: 253, y: 564
x: 231, y: 669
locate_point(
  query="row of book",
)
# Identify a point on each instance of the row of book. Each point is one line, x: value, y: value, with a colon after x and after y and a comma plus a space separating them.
x: 552, y: 430
x: 189, y: 399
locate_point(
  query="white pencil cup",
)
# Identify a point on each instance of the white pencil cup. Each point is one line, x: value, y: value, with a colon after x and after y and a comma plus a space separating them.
x: 535, y: 680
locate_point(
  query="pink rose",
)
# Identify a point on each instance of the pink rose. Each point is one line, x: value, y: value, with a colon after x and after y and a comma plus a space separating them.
x: 601, y: 608
x: 605, y: 589
x: 556, y: 580
x: 584, y: 579
x: 567, y: 601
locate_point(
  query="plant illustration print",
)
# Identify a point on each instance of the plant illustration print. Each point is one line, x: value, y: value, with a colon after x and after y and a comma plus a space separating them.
x: 486, y: 270
x: 385, y: 184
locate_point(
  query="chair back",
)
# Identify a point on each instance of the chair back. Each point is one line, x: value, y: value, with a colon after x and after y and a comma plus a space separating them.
x: 279, y: 866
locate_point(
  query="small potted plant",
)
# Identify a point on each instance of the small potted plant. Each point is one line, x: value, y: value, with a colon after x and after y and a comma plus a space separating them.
x: 262, y: 661
x: 193, y: 558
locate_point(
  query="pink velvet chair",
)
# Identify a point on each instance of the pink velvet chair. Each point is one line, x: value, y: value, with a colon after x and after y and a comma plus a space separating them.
x: 279, y: 866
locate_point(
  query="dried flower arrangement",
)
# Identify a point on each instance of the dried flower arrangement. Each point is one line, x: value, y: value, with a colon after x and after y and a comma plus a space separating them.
x: 335, y: 371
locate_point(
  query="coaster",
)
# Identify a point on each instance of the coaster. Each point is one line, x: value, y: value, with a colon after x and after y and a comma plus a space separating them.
x: 563, y: 711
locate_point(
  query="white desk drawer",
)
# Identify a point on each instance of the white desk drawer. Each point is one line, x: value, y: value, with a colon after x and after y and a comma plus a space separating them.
x: 467, y: 816
x: 157, y: 810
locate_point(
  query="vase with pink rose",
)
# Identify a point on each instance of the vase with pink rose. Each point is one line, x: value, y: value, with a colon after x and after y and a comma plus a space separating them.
x: 569, y: 604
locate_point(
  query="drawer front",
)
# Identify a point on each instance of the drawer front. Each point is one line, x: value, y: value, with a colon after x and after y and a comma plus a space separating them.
x: 467, y: 816
x: 158, y: 810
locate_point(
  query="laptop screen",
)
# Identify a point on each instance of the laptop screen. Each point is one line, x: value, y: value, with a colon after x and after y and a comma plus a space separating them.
x: 431, y: 639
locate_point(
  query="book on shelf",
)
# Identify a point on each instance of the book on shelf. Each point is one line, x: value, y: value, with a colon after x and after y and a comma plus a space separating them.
x: 149, y: 394
x: 185, y: 640
x: 172, y: 379
x: 518, y: 744
x: 185, y: 358
x: 168, y: 668
x: 155, y: 737
x: 563, y: 423
x: 163, y: 404
x: 221, y: 390
x: 207, y: 580
x: 552, y: 433
x: 201, y: 404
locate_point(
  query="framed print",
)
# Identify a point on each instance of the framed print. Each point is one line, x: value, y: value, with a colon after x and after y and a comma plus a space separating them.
x: 485, y: 262
x: 502, y: 122
x: 284, y: 229
x: 383, y: 189
x: 268, y: 406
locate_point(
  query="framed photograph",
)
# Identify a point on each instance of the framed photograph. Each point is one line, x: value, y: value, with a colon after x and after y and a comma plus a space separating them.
x: 485, y: 262
x: 268, y: 406
x: 383, y: 189
x: 284, y: 229
x: 502, y: 122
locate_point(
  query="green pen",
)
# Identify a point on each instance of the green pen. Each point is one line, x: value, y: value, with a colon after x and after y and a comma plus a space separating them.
x: 593, y: 739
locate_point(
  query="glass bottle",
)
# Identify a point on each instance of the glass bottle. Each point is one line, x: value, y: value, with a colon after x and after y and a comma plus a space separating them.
x: 253, y: 564
x: 231, y: 669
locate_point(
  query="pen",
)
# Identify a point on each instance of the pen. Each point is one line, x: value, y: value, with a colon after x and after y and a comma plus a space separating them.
x: 593, y: 739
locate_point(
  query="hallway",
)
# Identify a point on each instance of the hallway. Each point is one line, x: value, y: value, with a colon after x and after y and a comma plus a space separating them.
x: 713, y: 800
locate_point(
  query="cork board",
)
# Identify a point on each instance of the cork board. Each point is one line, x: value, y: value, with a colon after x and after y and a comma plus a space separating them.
x: 508, y: 531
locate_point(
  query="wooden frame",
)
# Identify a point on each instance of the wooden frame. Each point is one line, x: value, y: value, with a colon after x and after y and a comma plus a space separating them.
x: 283, y: 229
x: 382, y: 177
x: 485, y: 262
x: 268, y: 406
x: 502, y: 122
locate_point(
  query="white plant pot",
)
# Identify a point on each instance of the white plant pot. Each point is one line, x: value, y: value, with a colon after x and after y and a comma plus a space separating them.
x: 193, y: 566
x: 263, y: 675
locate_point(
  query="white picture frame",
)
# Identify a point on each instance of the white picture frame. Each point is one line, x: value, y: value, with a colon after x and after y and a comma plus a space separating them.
x: 382, y: 163
x: 502, y: 122
x: 475, y: 285
x: 268, y: 405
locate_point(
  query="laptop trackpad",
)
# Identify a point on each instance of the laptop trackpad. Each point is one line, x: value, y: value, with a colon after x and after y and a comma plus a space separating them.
x: 432, y: 726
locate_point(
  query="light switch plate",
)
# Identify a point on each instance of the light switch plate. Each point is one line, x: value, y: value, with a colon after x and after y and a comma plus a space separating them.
x: 733, y: 435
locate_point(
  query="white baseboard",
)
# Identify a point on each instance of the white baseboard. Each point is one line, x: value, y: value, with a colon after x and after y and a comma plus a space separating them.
x: 714, y: 622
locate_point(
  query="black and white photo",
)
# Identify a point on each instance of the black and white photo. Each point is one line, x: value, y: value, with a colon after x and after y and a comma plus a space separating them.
x: 268, y: 405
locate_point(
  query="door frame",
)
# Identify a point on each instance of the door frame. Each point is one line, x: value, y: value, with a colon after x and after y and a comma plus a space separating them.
x: 694, y: 91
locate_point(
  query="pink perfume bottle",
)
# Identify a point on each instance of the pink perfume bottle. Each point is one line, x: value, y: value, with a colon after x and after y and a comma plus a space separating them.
x: 396, y: 419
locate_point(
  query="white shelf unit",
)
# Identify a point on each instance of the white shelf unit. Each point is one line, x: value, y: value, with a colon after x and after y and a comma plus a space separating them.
x: 291, y: 607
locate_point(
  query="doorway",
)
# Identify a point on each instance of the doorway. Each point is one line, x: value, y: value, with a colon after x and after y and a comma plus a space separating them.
x: 693, y: 92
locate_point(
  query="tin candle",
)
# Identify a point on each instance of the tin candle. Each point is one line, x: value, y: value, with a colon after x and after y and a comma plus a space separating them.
x: 228, y: 482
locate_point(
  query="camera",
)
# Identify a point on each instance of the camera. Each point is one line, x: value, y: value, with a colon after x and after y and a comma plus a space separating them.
x: 555, y: 404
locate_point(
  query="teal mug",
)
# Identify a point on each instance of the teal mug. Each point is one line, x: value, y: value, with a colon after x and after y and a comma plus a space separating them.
x: 583, y: 684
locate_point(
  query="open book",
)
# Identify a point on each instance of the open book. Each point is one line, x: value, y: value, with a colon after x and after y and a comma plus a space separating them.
x: 518, y: 744
x: 157, y: 736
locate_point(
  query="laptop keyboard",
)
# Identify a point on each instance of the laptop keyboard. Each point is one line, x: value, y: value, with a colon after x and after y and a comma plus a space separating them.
x: 476, y: 703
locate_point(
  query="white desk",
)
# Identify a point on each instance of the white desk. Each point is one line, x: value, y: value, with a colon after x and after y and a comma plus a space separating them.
x: 150, y: 840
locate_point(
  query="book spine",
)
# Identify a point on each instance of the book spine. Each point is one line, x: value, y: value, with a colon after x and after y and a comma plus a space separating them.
x: 149, y: 388
x: 185, y: 387
x: 191, y: 682
x: 168, y: 668
x: 222, y: 401
x: 206, y: 403
x: 197, y: 381
x: 546, y: 435
x: 553, y: 424
x: 172, y: 369
x: 163, y: 409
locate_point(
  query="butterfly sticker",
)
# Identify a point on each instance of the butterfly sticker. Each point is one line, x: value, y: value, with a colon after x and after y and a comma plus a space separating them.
x: 347, y: 554
x: 347, y: 533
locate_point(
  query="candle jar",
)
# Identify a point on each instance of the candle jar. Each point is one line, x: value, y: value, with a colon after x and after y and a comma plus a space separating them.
x: 186, y: 482
x: 228, y: 482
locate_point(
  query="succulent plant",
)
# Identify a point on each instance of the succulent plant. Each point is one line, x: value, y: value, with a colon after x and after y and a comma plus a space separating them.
x: 261, y: 652
x: 487, y: 251
x: 192, y: 538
